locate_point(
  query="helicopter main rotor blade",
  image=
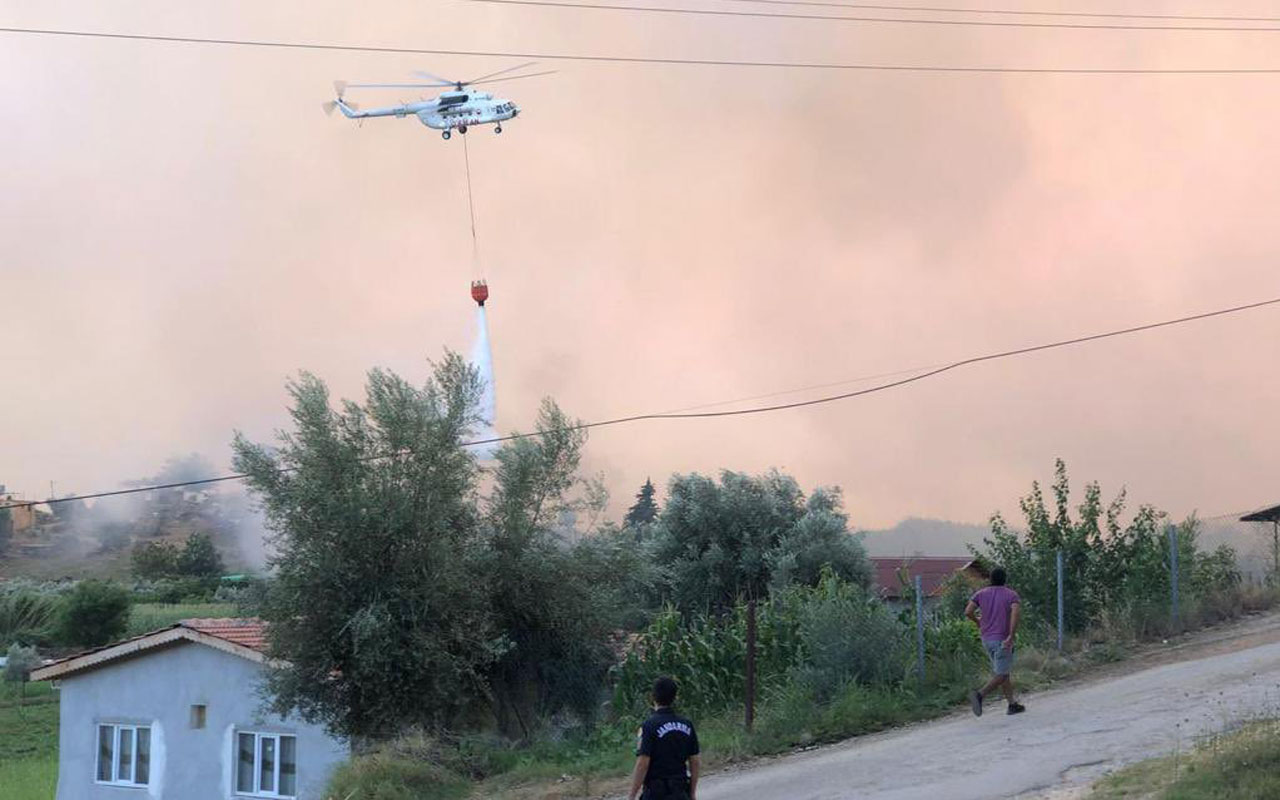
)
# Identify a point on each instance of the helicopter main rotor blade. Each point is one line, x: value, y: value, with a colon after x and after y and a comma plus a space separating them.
x: 392, y: 85
x: 496, y: 74
x: 514, y: 77
x: 429, y: 76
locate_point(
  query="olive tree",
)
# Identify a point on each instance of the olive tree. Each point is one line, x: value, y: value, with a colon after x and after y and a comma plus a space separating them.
x: 377, y: 611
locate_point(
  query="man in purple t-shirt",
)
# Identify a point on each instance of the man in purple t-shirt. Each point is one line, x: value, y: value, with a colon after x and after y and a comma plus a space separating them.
x: 996, y: 610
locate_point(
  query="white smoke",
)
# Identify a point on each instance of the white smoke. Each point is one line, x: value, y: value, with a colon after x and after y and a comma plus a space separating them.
x: 482, y: 360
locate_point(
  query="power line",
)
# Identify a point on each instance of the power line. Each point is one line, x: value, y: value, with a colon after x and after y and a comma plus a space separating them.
x: 734, y: 413
x: 604, y: 59
x: 1010, y: 12
x: 887, y: 20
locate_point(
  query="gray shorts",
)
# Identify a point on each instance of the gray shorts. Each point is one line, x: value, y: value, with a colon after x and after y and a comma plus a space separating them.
x: 1001, y: 658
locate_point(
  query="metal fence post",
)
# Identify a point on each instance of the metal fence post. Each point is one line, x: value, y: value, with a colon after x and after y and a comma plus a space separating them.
x: 1061, y: 605
x: 1173, y: 575
x: 919, y: 628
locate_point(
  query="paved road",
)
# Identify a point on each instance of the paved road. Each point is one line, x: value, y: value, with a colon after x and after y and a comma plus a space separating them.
x: 1067, y: 738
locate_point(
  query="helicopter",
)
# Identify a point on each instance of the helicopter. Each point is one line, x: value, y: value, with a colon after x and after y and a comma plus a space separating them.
x: 457, y: 109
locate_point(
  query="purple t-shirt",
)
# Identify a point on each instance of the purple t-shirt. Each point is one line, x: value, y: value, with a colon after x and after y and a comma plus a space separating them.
x: 995, y: 604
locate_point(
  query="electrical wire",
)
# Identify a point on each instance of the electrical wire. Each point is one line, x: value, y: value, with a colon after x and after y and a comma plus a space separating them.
x: 1009, y: 12
x: 887, y: 20
x: 734, y: 413
x: 603, y: 59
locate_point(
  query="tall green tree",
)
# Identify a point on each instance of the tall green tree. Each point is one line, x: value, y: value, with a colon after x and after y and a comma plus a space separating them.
x: 645, y: 509
x: 199, y: 558
x: 95, y: 613
x: 742, y: 536
x: 379, y: 606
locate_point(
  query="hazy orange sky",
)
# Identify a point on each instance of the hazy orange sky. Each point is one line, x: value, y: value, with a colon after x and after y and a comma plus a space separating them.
x: 183, y: 229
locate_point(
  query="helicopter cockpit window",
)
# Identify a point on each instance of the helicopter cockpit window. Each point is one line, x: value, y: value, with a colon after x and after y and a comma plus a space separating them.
x: 453, y: 100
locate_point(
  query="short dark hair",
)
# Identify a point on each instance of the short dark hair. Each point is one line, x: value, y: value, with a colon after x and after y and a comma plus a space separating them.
x: 664, y: 691
x: 998, y: 577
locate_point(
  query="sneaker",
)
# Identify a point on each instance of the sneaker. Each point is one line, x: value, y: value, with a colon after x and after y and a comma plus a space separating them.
x: 1016, y: 708
x: 975, y: 702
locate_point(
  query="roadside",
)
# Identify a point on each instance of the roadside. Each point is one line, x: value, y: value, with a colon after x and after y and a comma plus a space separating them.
x: 1080, y: 675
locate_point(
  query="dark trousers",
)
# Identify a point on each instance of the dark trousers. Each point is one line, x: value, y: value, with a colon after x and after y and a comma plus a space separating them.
x: 666, y: 789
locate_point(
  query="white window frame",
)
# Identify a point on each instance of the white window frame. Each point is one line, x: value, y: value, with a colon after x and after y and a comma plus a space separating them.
x: 117, y: 731
x: 258, y: 737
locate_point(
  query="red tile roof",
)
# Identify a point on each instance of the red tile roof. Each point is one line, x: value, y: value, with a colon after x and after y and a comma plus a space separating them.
x: 933, y: 572
x: 250, y: 633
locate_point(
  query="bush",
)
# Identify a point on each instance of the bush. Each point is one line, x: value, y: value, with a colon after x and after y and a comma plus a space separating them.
x: 847, y: 636
x: 200, y: 558
x: 408, y: 768
x: 21, y: 660
x: 95, y: 613
x: 27, y: 618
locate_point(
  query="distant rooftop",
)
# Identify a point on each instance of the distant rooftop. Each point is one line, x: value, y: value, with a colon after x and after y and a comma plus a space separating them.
x: 934, y: 572
x: 1264, y: 515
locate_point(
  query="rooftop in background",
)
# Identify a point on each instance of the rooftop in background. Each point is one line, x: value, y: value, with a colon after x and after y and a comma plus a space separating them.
x: 242, y: 637
x: 933, y: 571
x: 1265, y: 515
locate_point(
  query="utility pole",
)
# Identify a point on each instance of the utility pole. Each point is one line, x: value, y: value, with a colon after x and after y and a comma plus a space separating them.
x: 751, y: 662
x: 1060, y: 603
x: 920, y: 628
x: 1173, y: 574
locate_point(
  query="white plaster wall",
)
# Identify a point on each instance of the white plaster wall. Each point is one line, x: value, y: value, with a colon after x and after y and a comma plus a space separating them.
x: 158, y: 689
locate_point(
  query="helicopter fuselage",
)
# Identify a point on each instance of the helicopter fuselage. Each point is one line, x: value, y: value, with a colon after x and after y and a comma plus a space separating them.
x: 448, y: 112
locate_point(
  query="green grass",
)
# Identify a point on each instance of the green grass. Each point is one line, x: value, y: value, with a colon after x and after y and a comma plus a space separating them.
x: 30, y: 778
x: 29, y: 742
x: 146, y: 617
x: 1243, y: 765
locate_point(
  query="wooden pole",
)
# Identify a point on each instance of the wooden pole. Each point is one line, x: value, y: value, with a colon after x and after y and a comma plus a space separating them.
x: 751, y: 663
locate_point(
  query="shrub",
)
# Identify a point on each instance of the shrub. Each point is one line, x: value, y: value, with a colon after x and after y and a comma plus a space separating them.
x: 27, y: 617
x: 847, y: 636
x: 94, y: 614
x: 21, y: 660
x: 408, y: 768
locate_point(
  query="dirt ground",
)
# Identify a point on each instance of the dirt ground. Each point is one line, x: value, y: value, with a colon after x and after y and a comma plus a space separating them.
x: 1157, y: 702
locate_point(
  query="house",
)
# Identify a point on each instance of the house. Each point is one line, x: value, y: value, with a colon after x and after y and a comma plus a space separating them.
x: 934, y: 574
x: 22, y: 517
x: 177, y: 714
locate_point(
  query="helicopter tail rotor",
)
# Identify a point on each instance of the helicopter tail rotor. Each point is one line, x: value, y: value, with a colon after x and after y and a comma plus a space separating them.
x: 339, y: 87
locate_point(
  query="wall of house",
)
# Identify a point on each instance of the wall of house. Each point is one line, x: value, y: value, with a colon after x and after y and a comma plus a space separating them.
x: 158, y: 688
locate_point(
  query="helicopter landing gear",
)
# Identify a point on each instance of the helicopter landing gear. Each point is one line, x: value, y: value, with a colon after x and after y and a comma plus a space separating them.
x: 446, y: 135
x: 497, y: 129
x: 462, y: 129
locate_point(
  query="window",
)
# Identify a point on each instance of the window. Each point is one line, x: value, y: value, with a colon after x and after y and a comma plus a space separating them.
x: 124, y: 755
x: 197, y: 716
x: 266, y: 765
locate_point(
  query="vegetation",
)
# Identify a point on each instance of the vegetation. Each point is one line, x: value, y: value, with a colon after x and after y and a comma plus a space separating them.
x: 645, y: 509
x: 147, y: 617
x: 95, y: 613
x: 20, y: 661
x: 1240, y: 765
x: 29, y: 746
x: 27, y: 617
x: 6, y: 529
x: 1116, y: 576
x: 198, y: 558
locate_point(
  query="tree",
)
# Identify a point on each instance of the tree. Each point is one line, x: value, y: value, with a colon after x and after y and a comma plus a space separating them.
x: 152, y: 560
x: 199, y: 558
x: 551, y: 602
x: 379, y: 608
x: 747, y: 534
x: 19, y: 663
x: 739, y: 538
x: 95, y: 613
x: 645, y: 510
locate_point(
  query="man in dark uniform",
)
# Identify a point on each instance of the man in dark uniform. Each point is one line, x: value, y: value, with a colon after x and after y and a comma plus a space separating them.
x: 666, y: 751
